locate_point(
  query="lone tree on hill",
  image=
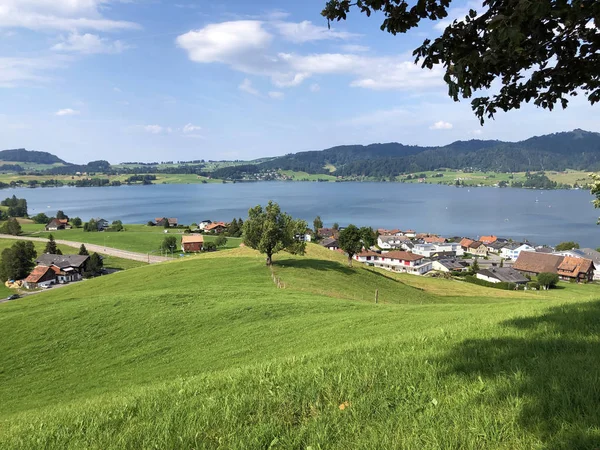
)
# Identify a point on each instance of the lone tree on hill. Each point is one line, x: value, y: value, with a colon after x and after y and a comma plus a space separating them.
x: 76, y: 222
x: 83, y: 251
x: 51, y: 247
x: 17, y: 261
x: 543, y: 51
x: 350, y: 240
x: 547, y: 280
x: 317, y: 225
x: 11, y: 226
x: 269, y: 231
x: 169, y: 244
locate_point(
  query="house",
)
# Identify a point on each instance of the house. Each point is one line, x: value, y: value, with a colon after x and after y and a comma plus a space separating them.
x: 477, y: 248
x: 331, y: 244
x: 202, y: 225
x: 434, y: 240
x: 496, y: 247
x: 533, y: 263
x: 595, y: 257
x: 65, y: 223
x: 465, y: 243
x: 391, y: 242
x: 384, y: 232
x: 41, y: 276
x: 410, y: 233
x: 327, y: 232
x: 216, y: 227
x: 406, y: 262
x: 512, y: 251
x: 67, y: 267
x: 502, y: 274
x: 54, y: 225
x: 192, y: 243
x: 102, y: 224
x: 450, y: 265
x: 579, y: 269
x: 487, y: 240
x: 161, y: 221
x: 366, y: 256
x: 428, y: 250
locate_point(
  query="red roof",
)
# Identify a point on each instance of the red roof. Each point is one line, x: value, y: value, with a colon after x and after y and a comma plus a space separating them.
x: 488, y: 239
x: 466, y: 242
x: 572, y: 266
x: 366, y: 253
x: 434, y: 240
x: 404, y: 256
x: 38, y: 273
x: 215, y: 225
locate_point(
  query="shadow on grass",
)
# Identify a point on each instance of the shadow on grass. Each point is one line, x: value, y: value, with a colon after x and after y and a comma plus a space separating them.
x: 314, y: 264
x: 552, y: 366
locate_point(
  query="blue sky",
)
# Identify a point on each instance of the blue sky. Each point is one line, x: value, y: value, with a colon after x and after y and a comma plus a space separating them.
x: 147, y: 80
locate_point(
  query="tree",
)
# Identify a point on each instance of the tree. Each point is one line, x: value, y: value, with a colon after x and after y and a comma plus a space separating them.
x: 336, y: 226
x: 83, y: 251
x: 117, y: 225
x: 76, y: 222
x: 209, y: 247
x: 165, y: 222
x: 221, y: 241
x: 547, y: 279
x: 369, y: 236
x: 270, y: 231
x: 169, y: 244
x: 233, y: 228
x: 569, y: 245
x: 11, y: 226
x: 317, y: 225
x: 91, y: 226
x: 475, y: 267
x: 93, y: 266
x: 41, y: 218
x: 61, y: 215
x: 17, y: 261
x: 350, y: 241
x: 51, y: 247
x: 542, y: 51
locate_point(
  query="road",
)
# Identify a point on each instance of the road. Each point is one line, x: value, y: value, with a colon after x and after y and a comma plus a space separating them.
x: 152, y: 259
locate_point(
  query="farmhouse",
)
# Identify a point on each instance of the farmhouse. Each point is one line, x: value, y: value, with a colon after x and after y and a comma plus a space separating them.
x: 67, y: 268
x: 216, y: 227
x: 202, y: 225
x: 162, y: 221
x: 331, y: 244
x: 533, y: 263
x: 579, y: 269
x: 102, y: 224
x: 407, y: 262
x: 192, y: 243
x: 55, y: 225
x: 502, y: 274
x: 41, y: 276
x: 465, y: 243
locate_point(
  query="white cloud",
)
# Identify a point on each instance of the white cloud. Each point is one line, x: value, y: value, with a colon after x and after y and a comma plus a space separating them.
x: 459, y: 14
x: 246, y: 86
x: 244, y: 46
x: 315, y: 87
x: 155, y: 129
x: 441, y: 125
x: 189, y: 128
x: 476, y: 132
x: 88, y: 44
x: 59, y: 15
x: 276, y: 95
x: 307, y: 32
x: 354, y: 48
x: 67, y: 112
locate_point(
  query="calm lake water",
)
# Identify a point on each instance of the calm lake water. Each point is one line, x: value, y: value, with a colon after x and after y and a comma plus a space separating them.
x: 543, y: 217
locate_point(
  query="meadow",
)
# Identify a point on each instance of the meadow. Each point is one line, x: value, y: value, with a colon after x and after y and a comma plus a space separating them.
x: 135, y: 238
x: 208, y: 352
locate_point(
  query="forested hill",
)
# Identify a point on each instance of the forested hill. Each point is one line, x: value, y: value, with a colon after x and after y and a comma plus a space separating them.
x: 576, y: 149
x: 30, y: 156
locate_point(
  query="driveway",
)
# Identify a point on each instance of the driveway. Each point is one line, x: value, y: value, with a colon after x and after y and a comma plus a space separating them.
x: 150, y: 259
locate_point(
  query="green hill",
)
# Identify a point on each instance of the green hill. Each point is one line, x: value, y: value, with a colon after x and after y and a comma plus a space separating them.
x: 29, y: 156
x: 208, y: 353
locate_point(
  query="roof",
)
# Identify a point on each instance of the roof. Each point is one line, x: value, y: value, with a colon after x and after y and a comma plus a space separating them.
x: 62, y: 261
x: 512, y: 246
x: 404, y: 256
x: 505, y: 274
x: 452, y: 264
x: 572, y: 266
x: 366, y: 253
x: 537, y: 262
x: 192, y: 239
x: 215, y: 225
x: 63, y: 221
x: 476, y: 244
x: 466, y: 242
x: 38, y: 273
x: 497, y: 245
x: 54, y: 223
x: 434, y: 240
x: 488, y: 239
x: 592, y: 254
x: 544, y: 250
x: 330, y: 242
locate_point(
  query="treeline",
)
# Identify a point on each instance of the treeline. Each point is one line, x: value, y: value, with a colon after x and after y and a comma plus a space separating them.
x: 29, y: 156
x: 15, y: 207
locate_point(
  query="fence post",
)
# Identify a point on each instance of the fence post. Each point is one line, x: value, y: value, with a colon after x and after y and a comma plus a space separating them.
x: 376, y: 295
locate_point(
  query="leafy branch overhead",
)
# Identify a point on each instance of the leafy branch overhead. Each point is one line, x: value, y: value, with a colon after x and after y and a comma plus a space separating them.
x: 540, y: 51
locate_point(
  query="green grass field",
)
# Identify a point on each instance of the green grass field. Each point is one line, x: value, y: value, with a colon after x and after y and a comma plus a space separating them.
x: 208, y: 353
x: 135, y: 238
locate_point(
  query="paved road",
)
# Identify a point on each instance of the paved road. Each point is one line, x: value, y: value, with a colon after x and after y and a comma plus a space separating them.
x: 96, y: 248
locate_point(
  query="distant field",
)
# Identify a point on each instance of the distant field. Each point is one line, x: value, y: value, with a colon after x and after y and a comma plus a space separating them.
x: 208, y: 353
x: 303, y: 176
x: 135, y: 238
x: 32, y: 166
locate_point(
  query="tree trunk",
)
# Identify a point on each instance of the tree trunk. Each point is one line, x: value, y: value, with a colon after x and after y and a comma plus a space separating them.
x: 269, y: 259
x: 349, y: 260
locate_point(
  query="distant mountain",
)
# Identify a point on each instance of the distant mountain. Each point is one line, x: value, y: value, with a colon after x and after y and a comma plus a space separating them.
x: 30, y: 156
x: 576, y: 149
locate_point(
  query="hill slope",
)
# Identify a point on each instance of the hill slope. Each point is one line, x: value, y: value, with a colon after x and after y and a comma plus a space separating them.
x: 30, y: 156
x: 208, y: 353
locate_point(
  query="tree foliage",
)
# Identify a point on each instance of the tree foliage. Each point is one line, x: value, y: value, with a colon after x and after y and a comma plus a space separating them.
x: 91, y: 226
x: 547, y: 279
x: 17, y: 207
x: 270, y: 231
x: 317, y: 225
x: 76, y: 222
x: 569, y: 245
x: 221, y: 241
x: 93, y: 266
x: 368, y: 236
x: 11, y: 226
x: 350, y: 240
x: 17, y: 261
x: 543, y: 51
x: 83, y: 251
x: 51, y: 247
x: 41, y: 218
x: 61, y: 215
x: 169, y: 244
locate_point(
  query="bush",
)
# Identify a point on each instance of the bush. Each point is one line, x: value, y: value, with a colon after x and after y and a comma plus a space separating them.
x: 209, y: 247
x: 534, y: 285
x: 503, y: 285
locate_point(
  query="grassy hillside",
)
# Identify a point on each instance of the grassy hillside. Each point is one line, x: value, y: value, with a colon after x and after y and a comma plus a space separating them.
x: 208, y: 353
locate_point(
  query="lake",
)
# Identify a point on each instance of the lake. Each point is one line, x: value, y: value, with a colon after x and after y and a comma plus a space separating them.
x: 543, y: 217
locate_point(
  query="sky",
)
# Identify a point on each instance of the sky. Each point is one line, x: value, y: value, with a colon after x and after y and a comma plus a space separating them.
x: 161, y: 80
